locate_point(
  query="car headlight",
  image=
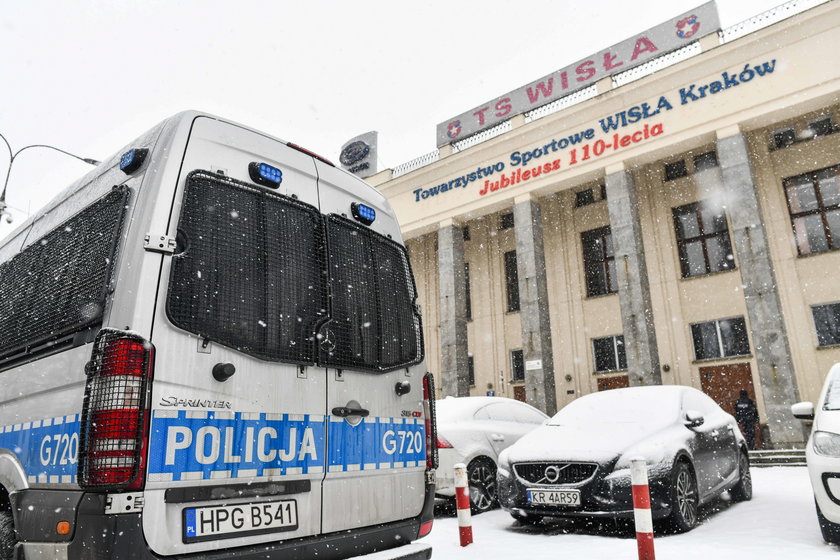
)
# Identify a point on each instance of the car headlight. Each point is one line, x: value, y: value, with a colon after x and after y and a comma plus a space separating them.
x: 827, y: 444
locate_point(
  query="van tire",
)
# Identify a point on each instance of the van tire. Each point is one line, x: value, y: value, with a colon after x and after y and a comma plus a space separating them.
x: 8, y: 538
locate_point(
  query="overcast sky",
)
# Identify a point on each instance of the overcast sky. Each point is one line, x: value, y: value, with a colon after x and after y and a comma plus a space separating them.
x: 89, y: 76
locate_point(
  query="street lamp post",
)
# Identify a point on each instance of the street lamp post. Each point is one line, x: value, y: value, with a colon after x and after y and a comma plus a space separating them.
x: 13, y: 155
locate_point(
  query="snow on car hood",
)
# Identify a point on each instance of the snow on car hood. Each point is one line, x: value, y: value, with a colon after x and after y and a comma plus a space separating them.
x: 601, y: 443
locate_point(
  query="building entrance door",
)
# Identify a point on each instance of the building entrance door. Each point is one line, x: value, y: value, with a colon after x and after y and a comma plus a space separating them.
x: 605, y: 383
x: 519, y: 392
x: 724, y: 383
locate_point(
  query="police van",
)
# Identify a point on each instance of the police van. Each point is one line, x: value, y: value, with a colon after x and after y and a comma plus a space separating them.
x: 210, y: 348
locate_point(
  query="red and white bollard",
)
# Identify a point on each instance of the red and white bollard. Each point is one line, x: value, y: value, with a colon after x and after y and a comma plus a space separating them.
x: 641, y: 509
x: 462, y: 504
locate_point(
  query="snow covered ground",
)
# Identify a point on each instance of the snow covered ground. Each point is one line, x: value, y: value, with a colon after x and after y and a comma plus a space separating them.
x: 779, y: 523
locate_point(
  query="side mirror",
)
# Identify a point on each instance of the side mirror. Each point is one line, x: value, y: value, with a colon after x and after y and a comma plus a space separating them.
x: 803, y: 410
x: 693, y: 419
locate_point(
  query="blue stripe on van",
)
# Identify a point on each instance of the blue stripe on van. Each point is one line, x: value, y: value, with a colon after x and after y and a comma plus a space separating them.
x: 47, y: 449
x: 201, y: 445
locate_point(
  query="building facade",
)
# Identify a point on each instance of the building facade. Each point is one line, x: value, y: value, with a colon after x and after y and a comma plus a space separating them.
x: 680, y: 228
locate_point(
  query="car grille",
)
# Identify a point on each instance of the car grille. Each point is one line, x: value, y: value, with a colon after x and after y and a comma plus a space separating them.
x: 555, y: 473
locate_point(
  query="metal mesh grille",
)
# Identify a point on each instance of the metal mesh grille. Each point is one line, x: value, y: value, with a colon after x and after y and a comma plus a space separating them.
x: 114, y: 411
x: 253, y: 272
x: 555, y: 473
x: 58, y: 285
x: 374, y: 323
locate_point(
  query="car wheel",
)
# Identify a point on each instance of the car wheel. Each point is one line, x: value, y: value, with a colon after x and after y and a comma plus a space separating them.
x: 742, y: 491
x: 8, y: 539
x: 481, y: 475
x: 685, y: 500
x: 830, y: 530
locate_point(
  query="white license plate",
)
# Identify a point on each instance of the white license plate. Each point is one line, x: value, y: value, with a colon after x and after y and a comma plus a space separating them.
x: 567, y: 498
x: 239, y: 520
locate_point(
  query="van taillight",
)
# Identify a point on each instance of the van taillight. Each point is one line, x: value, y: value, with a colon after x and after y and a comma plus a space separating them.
x: 115, y: 415
x: 431, y: 422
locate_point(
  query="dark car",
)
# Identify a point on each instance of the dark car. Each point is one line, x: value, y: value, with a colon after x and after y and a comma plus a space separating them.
x: 578, y: 463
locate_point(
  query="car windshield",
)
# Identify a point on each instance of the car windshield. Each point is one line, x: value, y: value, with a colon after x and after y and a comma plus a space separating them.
x: 641, y: 406
x: 832, y: 396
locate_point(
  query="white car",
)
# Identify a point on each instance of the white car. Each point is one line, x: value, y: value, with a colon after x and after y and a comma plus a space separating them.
x: 473, y: 431
x: 822, y: 453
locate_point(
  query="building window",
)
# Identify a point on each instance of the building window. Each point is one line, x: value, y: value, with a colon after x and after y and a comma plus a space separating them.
x: 467, y: 291
x: 784, y: 137
x: 583, y: 198
x: 599, y: 262
x: 675, y: 170
x: 702, y: 240
x: 827, y: 322
x: 471, y: 371
x: 603, y: 188
x: 466, y: 231
x: 511, y: 281
x: 506, y: 221
x: 822, y: 127
x: 814, y: 204
x: 705, y: 161
x: 720, y: 339
x: 609, y: 353
x: 517, y: 365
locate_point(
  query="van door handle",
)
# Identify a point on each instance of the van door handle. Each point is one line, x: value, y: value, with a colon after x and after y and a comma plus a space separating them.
x: 345, y: 411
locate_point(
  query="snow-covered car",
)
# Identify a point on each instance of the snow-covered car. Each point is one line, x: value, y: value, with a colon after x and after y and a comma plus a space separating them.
x: 473, y: 431
x: 822, y: 453
x: 578, y: 463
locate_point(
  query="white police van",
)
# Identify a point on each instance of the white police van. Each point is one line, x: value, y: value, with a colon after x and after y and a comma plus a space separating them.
x: 210, y: 348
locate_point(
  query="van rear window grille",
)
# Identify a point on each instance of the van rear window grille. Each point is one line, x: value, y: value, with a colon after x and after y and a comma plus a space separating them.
x: 374, y: 320
x: 252, y: 275
x: 59, y: 284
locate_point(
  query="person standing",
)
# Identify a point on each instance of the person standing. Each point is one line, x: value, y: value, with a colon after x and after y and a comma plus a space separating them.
x: 746, y: 414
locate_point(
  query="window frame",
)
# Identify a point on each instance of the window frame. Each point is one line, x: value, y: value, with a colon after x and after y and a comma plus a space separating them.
x: 616, y: 354
x: 511, y: 273
x: 515, y: 355
x: 669, y: 168
x: 703, y: 237
x: 835, y: 339
x: 788, y: 183
x: 610, y: 283
x: 721, y: 345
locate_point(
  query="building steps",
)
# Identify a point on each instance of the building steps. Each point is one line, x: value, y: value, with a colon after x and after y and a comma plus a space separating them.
x: 777, y: 458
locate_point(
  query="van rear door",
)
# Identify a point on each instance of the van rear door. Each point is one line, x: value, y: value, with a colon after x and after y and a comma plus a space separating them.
x: 373, y: 348
x: 237, y: 449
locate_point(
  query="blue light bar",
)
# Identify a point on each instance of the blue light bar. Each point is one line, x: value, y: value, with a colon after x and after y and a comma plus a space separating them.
x: 363, y: 213
x: 264, y: 174
x: 132, y: 160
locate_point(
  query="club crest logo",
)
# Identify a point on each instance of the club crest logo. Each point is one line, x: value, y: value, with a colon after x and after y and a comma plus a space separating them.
x: 688, y: 26
x: 454, y: 129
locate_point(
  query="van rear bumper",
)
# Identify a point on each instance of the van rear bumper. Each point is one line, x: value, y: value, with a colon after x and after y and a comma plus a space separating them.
x: 120, y: 537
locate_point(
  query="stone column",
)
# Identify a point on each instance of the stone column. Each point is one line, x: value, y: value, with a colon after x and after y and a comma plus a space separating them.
x: 533, y: 306
x: 633, y: 285
x: 453, y: 311
x: 769, y: 337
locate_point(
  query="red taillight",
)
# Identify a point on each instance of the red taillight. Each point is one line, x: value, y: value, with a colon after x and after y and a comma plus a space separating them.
x: 431, y: 424
x: 115, y: 417
x: 442, y: 443
x: 309, y: 153
x: 425, y: 528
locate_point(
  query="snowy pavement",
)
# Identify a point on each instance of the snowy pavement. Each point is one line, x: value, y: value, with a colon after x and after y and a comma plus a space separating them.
x: 779, y: 523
